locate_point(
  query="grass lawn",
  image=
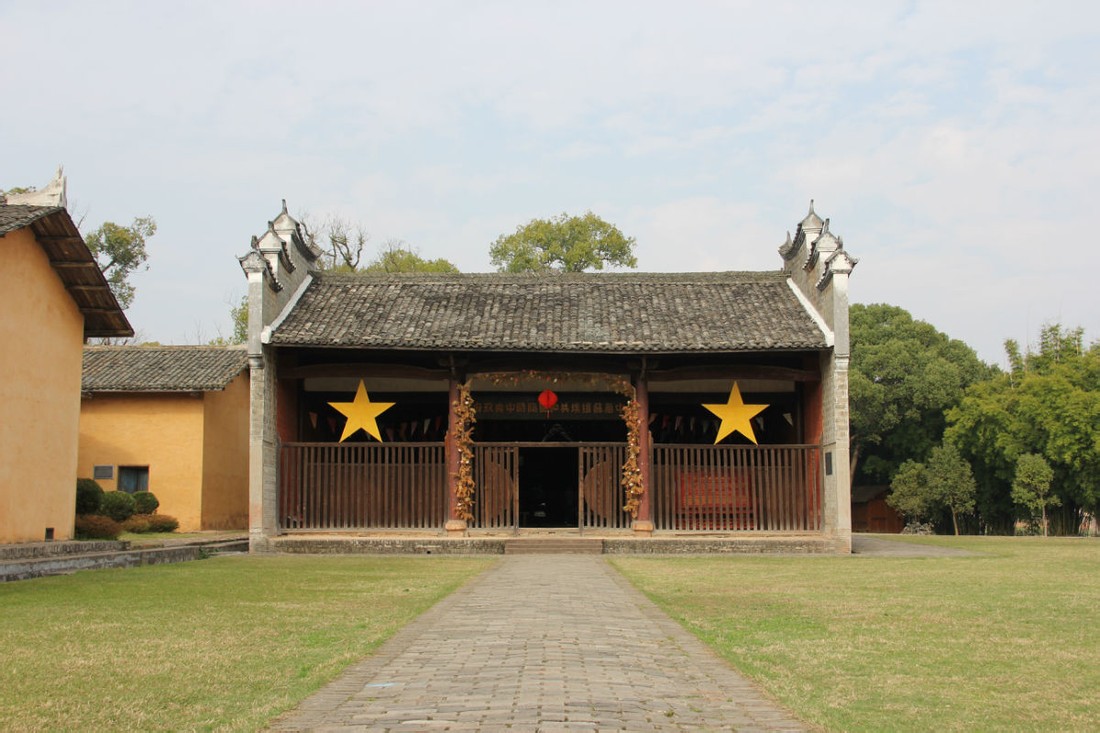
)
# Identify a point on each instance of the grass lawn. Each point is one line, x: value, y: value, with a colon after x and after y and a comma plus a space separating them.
x: 1002, y: 641
x: 220, y: 644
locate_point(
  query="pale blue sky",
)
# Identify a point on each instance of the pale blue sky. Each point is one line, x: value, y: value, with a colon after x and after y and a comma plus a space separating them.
x: 954, y: 145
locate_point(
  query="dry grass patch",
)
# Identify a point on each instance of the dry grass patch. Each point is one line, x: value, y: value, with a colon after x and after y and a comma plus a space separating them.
x: 222, y: 644
x: 1001, y: 641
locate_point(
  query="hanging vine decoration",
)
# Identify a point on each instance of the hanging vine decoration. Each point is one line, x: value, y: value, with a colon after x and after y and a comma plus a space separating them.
x: 465, y: 419
x: 632, y: 472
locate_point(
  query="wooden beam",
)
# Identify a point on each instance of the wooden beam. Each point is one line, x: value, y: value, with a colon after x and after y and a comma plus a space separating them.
x: 546, y: 363
x: 362, y: 370
x: 67, y: 239
x: 734, y: 371
x: 73, y: 264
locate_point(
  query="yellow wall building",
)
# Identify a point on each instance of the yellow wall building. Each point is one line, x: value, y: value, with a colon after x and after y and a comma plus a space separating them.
x: 172, y: 420
x: 54, y: 297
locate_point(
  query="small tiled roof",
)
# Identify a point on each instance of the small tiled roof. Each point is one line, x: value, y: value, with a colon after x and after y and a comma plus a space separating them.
x: 14, y: 217
x: 69, y: 256
x: 591, y: 312
x: 161, y: 368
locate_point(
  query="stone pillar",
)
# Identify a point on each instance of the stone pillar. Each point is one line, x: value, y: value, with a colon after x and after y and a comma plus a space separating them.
x: 262, y: 517
x: 643, y: 525
x: 263, y: 523
x: 453, y: 525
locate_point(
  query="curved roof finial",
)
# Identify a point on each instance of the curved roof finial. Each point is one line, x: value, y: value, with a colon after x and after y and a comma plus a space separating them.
x: 811, y: 220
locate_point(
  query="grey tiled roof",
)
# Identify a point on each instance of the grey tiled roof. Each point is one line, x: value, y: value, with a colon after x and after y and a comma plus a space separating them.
x: 14, y: 217
x: 161, y: 368
x: 599, y: 313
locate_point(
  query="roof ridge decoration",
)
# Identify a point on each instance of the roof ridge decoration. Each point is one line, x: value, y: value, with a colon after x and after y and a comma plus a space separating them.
x: 785, y: 248
x: 164, y: 347
x: 811, y: 220
x: 839, y: 262
x: 809, y: 228
x: 285, y: 248
x: 587, y: 279
x: 54, y: 193
x: 290, y: 230
x: 253, y: 261
x: 822, y: 241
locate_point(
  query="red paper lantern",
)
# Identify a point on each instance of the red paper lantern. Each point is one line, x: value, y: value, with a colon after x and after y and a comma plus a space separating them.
x: 548, y: 399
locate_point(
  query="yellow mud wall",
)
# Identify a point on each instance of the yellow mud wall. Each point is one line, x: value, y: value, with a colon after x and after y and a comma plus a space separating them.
x: 163, y: 432
x: 41, y: 341
x: 225, y: 454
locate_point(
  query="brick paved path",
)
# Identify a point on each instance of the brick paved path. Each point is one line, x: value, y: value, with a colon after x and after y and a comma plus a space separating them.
x: 541, y: 643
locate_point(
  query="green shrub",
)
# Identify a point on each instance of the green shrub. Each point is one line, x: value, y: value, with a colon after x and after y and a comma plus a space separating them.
x: 138, y: 524
x: 162, y: 523
x: 118, y: 505
x: 145, y: 502
x: 89, y: 494
x: 97, y: 527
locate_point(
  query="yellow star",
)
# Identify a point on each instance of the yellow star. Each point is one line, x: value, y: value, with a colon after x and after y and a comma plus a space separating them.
x: 361, y: 413
x: 736, y: 415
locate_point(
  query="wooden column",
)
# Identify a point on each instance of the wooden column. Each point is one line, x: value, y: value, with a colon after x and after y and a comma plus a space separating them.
x: 453, y: 525
x: 644, y: 523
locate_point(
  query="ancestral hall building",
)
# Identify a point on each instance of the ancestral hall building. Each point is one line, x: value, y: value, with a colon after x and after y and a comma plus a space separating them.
x: 679, y: 404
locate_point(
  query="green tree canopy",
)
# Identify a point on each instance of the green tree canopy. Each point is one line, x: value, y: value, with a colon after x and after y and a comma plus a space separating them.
x: 903, y: 375
x: 398, y: 256
x: 953, y: 482
x: 119, y: 251
x: 563, y: 243
x: 910, y: 492
x: 1049, y: 404
x: 1031, y: 486
x: 945, y: 482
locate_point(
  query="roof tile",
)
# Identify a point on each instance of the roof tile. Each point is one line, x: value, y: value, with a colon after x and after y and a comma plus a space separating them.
x: 591, y: 312
x: 161, y: 368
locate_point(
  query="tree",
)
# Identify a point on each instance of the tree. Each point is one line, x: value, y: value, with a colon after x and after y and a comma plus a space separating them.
x: 1057, y: 345
x: 1048, y: 404
x: 119, y: 251
x: 563, y: 243
x: 910, y: 493
x: 944, y: 482
x: 239, y: 315
x: 903, y: 375
x: 1031, y: 486
x: 952, y: 481
x: 398, y: 256
x: 341, y: 241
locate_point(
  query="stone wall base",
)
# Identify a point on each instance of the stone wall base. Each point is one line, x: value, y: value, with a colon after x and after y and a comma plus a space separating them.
x: 448, y: 545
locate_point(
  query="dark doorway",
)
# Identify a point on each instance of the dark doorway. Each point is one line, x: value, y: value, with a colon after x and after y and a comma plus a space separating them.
x: 547, y: 487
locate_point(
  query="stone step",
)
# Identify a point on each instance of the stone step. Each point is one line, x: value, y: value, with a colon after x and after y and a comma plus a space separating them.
x: 64, y: 563
x: 553, y: 546
x: 36, y: 550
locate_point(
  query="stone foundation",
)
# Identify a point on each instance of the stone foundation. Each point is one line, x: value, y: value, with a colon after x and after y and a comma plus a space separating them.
x: 625, y: 545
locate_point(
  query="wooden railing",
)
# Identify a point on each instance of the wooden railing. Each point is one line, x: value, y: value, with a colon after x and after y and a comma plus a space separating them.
x: 737, y: 488
x: 496, y: 481
x: 602, y: 497
x: 349, y: 486
x: 327, y: 486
